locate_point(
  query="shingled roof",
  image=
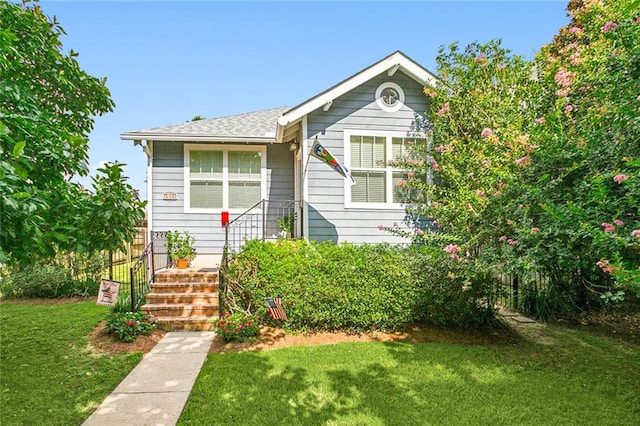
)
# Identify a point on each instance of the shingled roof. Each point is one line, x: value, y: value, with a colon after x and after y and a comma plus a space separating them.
x: 259, y: 126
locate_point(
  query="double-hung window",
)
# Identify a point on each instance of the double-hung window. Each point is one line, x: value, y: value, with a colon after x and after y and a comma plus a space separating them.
x: 224, y: 177
x: 370, y: 156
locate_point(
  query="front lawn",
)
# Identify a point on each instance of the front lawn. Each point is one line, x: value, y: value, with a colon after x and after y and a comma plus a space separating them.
x: 578, y: 379
x: 48, y: 375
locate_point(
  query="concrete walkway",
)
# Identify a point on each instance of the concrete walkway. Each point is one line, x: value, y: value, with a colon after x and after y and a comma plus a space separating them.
x: 156, y: 390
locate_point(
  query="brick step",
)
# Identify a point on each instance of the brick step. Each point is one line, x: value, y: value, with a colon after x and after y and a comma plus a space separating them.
x: 177, y: 275
x: 192, y: 323
x: 193, y: 298
x: 184, y: 287
x: 182, y: 310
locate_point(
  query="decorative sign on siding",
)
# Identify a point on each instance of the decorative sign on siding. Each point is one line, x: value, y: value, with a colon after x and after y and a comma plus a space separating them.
x: 169, y: 196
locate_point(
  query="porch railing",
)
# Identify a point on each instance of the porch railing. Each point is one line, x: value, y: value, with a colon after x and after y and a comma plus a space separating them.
x: 140, y: 276
x: 266, y: 220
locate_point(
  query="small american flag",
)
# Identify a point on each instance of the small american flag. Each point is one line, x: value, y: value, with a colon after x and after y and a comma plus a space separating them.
x: 274, y: 306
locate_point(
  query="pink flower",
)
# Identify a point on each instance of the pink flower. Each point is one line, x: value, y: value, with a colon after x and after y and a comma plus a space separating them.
x: 419, y: 231
x: 380, y: 227
x: 440, y: 148
x: 395, y: 224
x: 535, y: 230
x: 402, y: 183
x: 575, y: 30
x: 618, y: 222
x: 452, y: 249
x: 512, y: 242
x: 635, y: 233
x: 486, y: 132
x: 608, y: 227
x: 443, y: 110
x: 434, y: 166
x: 620, y: 178
x: 523, y: 161
x: 564, y: 78
x: 609, y: 26
x: 604, y: 265
x: 503, y: 238
x: 568, y: 108
x: 465, y: 287
x: 540, y: 120
x: 480, y: 193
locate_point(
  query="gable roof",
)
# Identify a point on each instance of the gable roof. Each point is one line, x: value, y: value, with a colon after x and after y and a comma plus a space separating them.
x: 391, y: 64
x: 269, y: 125
x: 257, y: 126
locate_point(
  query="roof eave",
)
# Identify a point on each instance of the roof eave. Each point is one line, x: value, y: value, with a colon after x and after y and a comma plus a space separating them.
x: 194, y: 138
x: 396, y: 60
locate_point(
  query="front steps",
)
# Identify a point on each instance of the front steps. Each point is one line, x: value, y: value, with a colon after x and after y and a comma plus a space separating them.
x: 185, y: 299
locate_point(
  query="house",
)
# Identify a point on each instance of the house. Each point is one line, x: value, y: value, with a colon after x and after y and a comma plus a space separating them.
x: 203, y: 174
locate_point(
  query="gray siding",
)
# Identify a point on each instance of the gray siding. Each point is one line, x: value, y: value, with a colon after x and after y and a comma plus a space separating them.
x: 168, y: 176
x: 328, y: 219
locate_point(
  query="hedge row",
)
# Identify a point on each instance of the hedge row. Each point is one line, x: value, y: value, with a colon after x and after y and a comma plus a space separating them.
x: 357, y: 288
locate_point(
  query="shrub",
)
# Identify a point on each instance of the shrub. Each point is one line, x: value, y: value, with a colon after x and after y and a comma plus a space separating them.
x: 356, y: 288
x: 237, y: 326
x: 129, y: 325
x: 68, y: 275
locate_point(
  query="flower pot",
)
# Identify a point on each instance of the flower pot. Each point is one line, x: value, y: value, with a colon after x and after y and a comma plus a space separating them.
x: 182, y: 263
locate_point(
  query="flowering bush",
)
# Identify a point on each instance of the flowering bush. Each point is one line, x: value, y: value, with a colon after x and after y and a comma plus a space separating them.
x: 237, y: 326
x: 129, y: 325
x: 535, y: 166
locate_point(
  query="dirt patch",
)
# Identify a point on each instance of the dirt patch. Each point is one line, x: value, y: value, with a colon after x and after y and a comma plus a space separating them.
x: 47, y: 301
x: 275, y: 338
x: 101, y: 341
x: 620, y: 325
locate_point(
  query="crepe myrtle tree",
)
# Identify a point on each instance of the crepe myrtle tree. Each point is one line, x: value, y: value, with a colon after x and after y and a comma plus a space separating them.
x: 535, y: 166
x: 47, y: 110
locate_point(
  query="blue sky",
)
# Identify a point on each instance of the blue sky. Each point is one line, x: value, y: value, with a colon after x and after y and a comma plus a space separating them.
x: 166, y: 62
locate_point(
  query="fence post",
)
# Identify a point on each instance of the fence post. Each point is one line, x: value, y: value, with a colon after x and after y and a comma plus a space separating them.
x: 153, y: 261
x: 110, y: 265
x: 515, y: 287
x: 133, y: 292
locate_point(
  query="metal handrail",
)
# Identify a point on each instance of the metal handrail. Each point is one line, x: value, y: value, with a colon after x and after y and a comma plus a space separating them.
x: 261, y: 222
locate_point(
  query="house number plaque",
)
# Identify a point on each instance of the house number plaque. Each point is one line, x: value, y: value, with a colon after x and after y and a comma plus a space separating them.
x: 170, y: 196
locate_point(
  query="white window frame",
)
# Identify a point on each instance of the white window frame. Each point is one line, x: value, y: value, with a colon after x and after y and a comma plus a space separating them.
x: 225, y: 175
x: 382, y: 105
x: 388, y: 204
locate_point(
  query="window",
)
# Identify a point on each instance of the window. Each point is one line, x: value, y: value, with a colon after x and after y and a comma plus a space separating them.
x: 378, y: 184
x: 224, y: 178
x: 389, y: 97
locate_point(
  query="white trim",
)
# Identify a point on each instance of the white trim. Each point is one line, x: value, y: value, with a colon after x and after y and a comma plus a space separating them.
x: 305, y: 178
x: 380, y: 102
x: 149, y: 152
x: 178, y: 137
x: 225, y: 175
x: 389, y: 204
x: 413, y: 70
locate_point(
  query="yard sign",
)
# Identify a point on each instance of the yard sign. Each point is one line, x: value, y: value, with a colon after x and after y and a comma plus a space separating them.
x: 108, y: 293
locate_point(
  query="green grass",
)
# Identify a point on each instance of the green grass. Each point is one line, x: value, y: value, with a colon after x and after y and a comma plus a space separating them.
x: 580, y: 380
x: 47, y: 374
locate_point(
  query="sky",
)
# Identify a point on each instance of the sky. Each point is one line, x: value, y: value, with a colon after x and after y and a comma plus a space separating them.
x: 167, y: 62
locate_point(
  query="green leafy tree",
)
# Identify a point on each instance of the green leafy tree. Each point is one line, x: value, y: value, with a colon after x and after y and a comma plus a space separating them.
x: 47, y: 109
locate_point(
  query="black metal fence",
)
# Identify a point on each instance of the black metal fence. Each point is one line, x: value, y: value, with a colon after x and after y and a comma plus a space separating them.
x: 514, y: 291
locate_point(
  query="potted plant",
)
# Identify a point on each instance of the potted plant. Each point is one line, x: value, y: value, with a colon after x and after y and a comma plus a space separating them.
x: 180, y: 246
x: 286, y: 224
